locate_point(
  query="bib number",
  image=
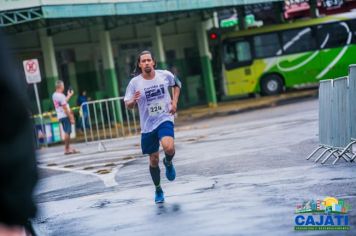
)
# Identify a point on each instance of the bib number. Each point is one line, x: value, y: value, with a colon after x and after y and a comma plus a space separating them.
x: 156, y: 109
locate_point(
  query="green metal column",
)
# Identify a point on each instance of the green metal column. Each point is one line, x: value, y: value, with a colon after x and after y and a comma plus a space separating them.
x: 241, y: 17
x: 205, y: 58
x: 158, y: 48
x: 279, y: 11
x: 112, y: 86
x: 49, y: 59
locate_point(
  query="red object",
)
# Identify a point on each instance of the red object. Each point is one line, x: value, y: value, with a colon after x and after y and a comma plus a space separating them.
x: 213, y: 36
x: 296, y: 10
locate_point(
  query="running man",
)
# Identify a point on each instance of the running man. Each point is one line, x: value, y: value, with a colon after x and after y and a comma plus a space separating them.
x: 64, y: 114
x: 150, y: 90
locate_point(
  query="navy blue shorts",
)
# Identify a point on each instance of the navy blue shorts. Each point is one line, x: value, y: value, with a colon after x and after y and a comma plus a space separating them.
x: 67, y: 126
x: 150, y: 141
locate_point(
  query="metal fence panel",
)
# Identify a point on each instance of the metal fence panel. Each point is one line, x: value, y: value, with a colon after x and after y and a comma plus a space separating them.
x: 352, y: 100
x: 325, y: 110
x: 101, y: 120
x: 340, y: 113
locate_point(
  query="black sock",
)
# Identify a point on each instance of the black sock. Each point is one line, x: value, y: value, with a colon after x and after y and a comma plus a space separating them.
x: 156, y: 176
x: 169, y: 158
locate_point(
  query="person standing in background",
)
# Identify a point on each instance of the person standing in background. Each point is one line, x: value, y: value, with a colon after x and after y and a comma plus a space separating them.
x: 64, y: 114
x: 82, y: 98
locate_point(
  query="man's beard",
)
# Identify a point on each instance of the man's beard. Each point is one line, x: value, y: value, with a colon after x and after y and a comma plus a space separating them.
x: 147, y: 70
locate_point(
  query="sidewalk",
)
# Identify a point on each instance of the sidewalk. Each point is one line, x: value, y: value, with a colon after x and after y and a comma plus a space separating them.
x: 241, y: 105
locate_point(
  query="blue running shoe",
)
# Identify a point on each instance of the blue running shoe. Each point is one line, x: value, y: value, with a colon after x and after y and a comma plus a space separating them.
x: 170, y: 171
x: 159, y: 197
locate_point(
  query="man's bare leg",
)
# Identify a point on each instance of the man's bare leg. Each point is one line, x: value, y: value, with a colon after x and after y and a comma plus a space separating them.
x: 66, y: 143
x: 169, y: 150
x: 168, y: 146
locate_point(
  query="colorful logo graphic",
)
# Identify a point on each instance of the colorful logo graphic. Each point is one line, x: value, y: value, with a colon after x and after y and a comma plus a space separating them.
x: 327, y: 214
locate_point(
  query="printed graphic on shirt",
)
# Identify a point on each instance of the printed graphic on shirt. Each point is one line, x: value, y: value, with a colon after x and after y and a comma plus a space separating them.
x: 154, y: 92
x: 155, y: 99
x: 56, y: 104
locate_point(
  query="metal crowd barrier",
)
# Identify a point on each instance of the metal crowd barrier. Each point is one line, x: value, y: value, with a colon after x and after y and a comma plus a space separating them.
x: 352, y: 112
x: 104, y: 120
x: 337, y: 119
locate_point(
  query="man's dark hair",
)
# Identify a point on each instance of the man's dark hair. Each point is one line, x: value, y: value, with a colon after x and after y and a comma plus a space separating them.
x: 137, y: 69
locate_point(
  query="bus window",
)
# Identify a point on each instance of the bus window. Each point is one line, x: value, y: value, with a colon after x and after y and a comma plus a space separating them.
x: 333, y: 35
x: 267, y: 45
x: 237, y: 52
x: 352, y: 25
x: 298, y: 40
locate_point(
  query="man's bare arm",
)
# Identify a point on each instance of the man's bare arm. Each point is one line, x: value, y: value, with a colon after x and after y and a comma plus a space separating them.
x: 175, y: 97
x: 69, y: 114
x: 69, y: 95
x: 131, y: 103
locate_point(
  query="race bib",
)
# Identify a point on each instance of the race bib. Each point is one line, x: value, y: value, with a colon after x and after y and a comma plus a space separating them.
x: 155, y: 109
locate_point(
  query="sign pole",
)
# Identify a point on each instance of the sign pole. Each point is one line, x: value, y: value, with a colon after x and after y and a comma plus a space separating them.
x: 33, y: 76
x: 40, y: 113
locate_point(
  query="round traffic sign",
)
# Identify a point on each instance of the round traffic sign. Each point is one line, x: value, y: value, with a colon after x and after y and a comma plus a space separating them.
x: 31, y: 67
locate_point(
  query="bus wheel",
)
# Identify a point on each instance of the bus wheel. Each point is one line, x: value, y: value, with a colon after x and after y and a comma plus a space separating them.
x: 271, y: 85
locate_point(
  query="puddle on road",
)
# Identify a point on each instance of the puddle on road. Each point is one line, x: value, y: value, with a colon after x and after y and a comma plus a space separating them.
x: 110, y: 165
x: 101, y: 204
x: 103, y: 171
x: 333, y: 179
x: 104, y: 203
x: 195, y: 138
x: 201, y: 190
x: 88, y: 168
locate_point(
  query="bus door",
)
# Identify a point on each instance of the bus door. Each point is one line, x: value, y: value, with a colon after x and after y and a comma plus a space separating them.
x: 237, y: 64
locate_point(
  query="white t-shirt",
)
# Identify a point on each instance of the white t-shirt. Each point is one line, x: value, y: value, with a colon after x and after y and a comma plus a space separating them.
x: 155, y: 101
x: 59, y: 100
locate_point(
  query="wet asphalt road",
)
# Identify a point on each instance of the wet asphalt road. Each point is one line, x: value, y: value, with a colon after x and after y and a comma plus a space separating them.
x: 237, y: 175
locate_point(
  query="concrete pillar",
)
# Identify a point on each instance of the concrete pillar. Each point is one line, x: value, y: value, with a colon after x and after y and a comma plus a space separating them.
x: 205, y: 58
x: 49, y: 59
x: 158, y: 48
x: 109, y: 68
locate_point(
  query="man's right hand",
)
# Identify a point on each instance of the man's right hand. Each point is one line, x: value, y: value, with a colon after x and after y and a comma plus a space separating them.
x: 137, y: 96
x: 131, y: 103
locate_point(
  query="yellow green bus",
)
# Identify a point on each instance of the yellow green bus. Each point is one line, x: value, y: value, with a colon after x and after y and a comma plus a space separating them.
x: 270, y: 59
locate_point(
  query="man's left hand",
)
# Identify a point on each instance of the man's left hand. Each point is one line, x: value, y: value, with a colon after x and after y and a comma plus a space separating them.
x: 173, y: 109
x: 70, y: 93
